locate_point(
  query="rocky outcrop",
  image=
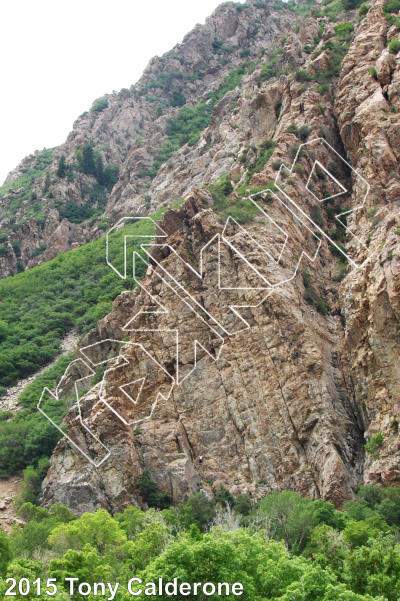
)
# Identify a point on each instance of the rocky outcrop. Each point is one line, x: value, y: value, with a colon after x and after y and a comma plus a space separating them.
x: 368, y: 117
x: 128, y: 128
x: 249, y: 411
x: 291, y: 401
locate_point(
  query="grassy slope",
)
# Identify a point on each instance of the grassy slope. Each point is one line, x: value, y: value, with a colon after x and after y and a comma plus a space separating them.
x: 39, y: 306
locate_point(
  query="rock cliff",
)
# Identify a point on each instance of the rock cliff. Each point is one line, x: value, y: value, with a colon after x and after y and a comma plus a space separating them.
x: 291, y: 400
x: 43, y: 213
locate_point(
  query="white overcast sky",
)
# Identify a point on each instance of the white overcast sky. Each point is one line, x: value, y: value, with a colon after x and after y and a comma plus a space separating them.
x: 59, y: 56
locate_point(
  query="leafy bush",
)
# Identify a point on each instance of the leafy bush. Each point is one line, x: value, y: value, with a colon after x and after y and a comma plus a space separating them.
x: 292, y: 129
x: 322, y: 306
x: 30, y: 487
x: 393, y: 6
x: 151, y: 493
x: 323, y: 88
x: 6, y: 415
x: 373, y: 72
x: 287, y: 548
x: 99, y: 106
x: 363, y: 10
x: 344, y: 30
x: 302, y: 75
x: 39, y: 250
x: 16, y: 244
x: 303, y: 132
x: 338, y: 251
x: 352, y: 4
x: 241, y: 209
x: 242, y: 7
x: 41, y: 305
x: 75, y: 213
x: 333, y: 9
x: 374, y: 445
x: 178, y: 99
x: 394, y: 46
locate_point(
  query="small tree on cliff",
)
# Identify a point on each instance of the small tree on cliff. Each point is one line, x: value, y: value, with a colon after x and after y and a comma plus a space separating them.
x: 151, y: 493
x: 61, y: 168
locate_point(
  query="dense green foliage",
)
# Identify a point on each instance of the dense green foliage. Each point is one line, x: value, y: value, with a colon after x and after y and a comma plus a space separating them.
x: 90, y: 162
x: 394, y: 46
x: 285, y: 548
x: 39, y: 307
x: 99, y: 106
x: 150, y: 493
x: 61, y: 167
x: 374, y: 445
x: 28, y: 437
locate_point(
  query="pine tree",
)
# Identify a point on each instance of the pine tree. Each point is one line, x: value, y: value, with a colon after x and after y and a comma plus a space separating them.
x: 88, y: 164
x: 61, y: 168
x: 99, y: 169
x: 111, y: 174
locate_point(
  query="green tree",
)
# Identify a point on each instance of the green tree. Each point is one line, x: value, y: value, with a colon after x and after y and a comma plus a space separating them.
x: 326, y: 514
x: 216, y: 557
x: 131, y: 521
x: 61, y: 167
x: 242, y: 504
x: 5, y: 552
x: 85, y: 565
x: 293, y: 516
x: 99, y: 169
x: 223, y: 496
x: 374, y: 445
x: 326, y: 547
x: 31, y: 541
x: 3, y: 330
x: 87, y: 164
x: 357, y: 534
x: 111, y: 174
x: 375, y: 569
x: 30, y: 486
x: 99, y: 530
x: 148, y: 544
x: 151, y: 493
x: 25, y: 568
x: 196, y: 510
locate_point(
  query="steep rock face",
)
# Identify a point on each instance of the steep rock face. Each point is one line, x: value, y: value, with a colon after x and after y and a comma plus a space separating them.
x: 259, y: 423
x: 368, y: 118
x: 127, y: 130
x: 291, y: 401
